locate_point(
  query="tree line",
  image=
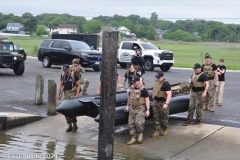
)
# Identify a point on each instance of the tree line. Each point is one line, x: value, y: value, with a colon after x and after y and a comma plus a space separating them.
x: 184, y: 30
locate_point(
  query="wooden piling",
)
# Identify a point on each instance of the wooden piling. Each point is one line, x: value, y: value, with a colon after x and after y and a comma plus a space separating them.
x: 108, y: 95
x: 52, y: 97
x: 39, y: 90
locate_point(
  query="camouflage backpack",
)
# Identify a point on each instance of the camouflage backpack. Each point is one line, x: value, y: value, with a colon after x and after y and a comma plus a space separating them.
x: 182, y: 88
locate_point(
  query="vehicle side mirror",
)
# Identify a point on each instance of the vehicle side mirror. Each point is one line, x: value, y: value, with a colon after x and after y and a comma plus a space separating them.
x: 92, y: 48
x: 67, y: 48
x: 159, y: 47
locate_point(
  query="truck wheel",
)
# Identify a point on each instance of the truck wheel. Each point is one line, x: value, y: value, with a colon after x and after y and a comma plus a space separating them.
x: 19, y: 68
x: 164, y: 68
x: 96, y: 68
x: 46, y: 62
x: 149, y: 65
x: 123, y: 65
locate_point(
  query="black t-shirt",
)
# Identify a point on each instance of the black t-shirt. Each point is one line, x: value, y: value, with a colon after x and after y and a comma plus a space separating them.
x: 131, y: 74
x: 165, y: 87
x: 67, y: 81
x: 144, y: 92
x: 202, y: 78
x: 222, y: 76
x: 138, y: 61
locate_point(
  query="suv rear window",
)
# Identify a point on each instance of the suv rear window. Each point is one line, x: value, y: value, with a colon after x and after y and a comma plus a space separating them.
x: 46, y: 43
x: 57, y: 44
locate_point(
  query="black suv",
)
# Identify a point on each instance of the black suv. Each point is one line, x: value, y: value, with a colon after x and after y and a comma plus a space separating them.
x: 61, y: 51
x: 10, y: 57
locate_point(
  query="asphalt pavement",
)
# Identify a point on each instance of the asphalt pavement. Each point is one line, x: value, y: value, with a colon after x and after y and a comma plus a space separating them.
x: 216, y: 138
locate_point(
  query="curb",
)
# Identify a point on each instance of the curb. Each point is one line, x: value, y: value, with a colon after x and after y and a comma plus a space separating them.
x: 14, y: 119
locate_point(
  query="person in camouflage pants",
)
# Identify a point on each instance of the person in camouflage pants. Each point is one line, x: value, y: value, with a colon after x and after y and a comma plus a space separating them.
x: 68, y: 94
x: 199, y: 87
x: 158, y: 111
x: 210, y: 69
x: 70, y: 86
x: 138, y: 98
x: 162, y: 95
x: 76, y: 67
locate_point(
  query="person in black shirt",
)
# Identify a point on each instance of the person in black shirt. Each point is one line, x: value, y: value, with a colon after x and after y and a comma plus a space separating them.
x: 138, y: 60
x: 221, y: 78
x: 137, y: 101
x: 198, y: 90
x: 131, y: 73
x: 70, y: 86
x: 210, y: 69
x: 162, y: 95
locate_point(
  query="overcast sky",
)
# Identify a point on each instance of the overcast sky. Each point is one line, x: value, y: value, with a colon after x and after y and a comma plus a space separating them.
x: 226, y: 11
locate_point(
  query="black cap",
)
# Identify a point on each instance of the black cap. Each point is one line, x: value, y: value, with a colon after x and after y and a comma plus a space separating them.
x: 65, y: 67
x: 129, y: 64
x: 207, y: 55
x: 196, y: 66
x: 135, y: 79
x: 159, y: 74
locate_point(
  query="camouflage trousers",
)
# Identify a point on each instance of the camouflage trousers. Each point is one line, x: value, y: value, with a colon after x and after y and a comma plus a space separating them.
x: 209, y: 99
x: 85, y: 82
x: 136, y: 120
x: 160, y: 115
x: 68, y: 94
x: 195, y: 103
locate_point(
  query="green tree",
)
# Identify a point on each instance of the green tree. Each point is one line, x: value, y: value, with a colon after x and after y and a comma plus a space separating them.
x: 114, y: 23
x: 27, y: 15
x: 144, y: 21
x: 41, y: 31
x: 151, y: 33
x: 154, y: 19
x: 134, y: 18
x: 30, y: 25
x: 92, y: 26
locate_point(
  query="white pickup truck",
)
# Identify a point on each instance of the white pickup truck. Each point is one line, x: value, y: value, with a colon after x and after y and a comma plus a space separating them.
x: 154, y: 57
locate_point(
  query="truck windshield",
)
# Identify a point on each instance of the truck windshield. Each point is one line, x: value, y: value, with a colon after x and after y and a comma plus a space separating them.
x: 149, y: 46
x: 6, y: 47
x: 79, y: 45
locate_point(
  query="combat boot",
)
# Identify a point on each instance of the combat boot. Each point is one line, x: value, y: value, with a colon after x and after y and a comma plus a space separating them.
x: 140, y: 138
x: 155, y: 134
x: 219, y: 103
x: 164, y: 133
x: 84, y: 93
x: 211, y: 109
x: 197, y: 122
x: 132, y: 141
x: 205, y: 108
x: 188, y: 122
x: 69, y: 129
x: 216, y: 102
x: 75, y: 127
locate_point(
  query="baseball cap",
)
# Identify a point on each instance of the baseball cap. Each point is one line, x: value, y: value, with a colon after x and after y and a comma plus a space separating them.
x: 129, y: 64
x: 135, y: 79
x: 65, y: 67
x: 196, y: 66
x: 207, y: 55
x: 159, y: 74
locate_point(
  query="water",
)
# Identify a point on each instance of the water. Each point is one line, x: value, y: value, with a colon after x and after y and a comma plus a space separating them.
x: 22, y: 147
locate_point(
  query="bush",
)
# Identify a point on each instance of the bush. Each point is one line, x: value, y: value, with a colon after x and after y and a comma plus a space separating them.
x: 180, y: 35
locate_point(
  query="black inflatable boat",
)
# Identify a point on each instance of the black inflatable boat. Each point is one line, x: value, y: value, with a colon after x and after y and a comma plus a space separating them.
x: 90, y: 105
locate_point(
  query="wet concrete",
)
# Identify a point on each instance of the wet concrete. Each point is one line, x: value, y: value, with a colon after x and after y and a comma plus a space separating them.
x: 48, y: 135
